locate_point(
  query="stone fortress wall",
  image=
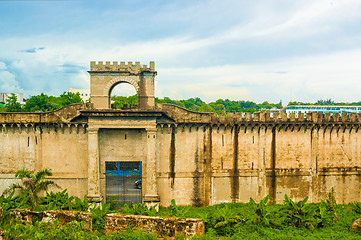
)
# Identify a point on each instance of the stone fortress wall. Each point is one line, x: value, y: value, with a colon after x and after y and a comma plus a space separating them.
x: 200, y: 158
x: 232, y: 159
x: 45, y: 140
x: 192, y: 157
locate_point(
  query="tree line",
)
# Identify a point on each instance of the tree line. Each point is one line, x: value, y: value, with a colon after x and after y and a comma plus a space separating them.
x: 44, y: 103
x: 198, y: 105
x: 41, y: 102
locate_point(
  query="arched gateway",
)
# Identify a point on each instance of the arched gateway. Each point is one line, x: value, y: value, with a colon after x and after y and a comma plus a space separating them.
x: 122, y: 141
x: 104, y: 77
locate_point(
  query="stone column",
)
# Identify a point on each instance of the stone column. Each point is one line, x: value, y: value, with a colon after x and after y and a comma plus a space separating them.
x: 146, y: 90
x: 151, y: 191
x: 93, y: 165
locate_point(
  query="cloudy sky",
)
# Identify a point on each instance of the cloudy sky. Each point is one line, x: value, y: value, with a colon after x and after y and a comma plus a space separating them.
x: 237, y: 49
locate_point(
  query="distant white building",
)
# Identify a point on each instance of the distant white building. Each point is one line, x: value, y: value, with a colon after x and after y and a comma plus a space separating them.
x: 84, y: 93
x: 19, y: 96
x: 322, y: 109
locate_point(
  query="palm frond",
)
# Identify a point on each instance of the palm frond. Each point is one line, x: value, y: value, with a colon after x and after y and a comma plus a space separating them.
x: 40, y: 175
x: 23, y: 172
x: 13, y: 187
x: 44, y: 185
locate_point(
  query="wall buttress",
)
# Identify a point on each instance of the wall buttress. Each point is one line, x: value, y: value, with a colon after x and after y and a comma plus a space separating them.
x: 151, y: 189
x: 93, y: 165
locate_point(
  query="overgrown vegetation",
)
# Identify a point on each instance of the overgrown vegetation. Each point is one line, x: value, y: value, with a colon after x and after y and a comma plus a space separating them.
x: 252, y: 220
x: 30, y: 186
x: 72, y: 230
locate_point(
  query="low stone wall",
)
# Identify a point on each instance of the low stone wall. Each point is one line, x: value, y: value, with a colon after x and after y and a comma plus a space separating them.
x: 162, y: 226
x: 27, y: 216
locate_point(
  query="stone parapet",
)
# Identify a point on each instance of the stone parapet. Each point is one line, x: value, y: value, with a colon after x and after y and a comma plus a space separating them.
x: 162, y: 226
x: 179, y: 115
x: 182, y: 115
x: 62, y: 115
x: 108, y: 66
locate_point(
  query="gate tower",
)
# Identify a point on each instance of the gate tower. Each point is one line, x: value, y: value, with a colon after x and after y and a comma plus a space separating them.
x: 104, y: 77
x: 122, y: 136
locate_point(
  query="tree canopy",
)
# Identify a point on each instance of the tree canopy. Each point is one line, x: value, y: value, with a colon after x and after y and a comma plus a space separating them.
x: 221, y: 105
x: 198, y: 105
x: 41, y: 102
x: 12, y: 104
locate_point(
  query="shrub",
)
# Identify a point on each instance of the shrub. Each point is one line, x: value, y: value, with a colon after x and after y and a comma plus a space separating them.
x: 224, y: 220
x: 178, y: 211
x: 139, y: 209
x: 57, y: 201
x: 44, y: 230
x: 261, y: 213
x: 98, y: 216
x: 298, y: 213
x: 31, y: 185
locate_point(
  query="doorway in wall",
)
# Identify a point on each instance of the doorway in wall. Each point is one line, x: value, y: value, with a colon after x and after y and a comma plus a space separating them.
x: 123, y: 182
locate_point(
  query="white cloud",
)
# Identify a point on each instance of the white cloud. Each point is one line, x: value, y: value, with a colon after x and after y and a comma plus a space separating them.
x: 179, y: 55
x: 8, y: 82
x: 309, y: 78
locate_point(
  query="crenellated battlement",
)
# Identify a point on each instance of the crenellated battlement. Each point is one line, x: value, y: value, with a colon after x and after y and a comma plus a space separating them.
x: 313, y: 117
x: 182, y: 115
x: 130, y: 67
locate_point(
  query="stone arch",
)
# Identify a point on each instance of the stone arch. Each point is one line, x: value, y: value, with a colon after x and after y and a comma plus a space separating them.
x: 132, y: 80
x: 121, y: 79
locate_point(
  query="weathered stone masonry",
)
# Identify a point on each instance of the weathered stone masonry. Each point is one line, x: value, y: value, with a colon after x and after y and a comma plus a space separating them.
x: 239, y: 157
x: 191, y: 157
x: 199, y: 159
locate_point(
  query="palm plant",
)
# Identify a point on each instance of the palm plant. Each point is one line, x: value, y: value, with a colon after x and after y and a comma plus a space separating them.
x: 262, y: 215
x: 31, y: 185
x: 298, y: 213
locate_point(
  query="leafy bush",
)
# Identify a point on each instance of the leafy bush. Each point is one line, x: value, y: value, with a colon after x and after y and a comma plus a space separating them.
x: 326, y: 213
x: 57, y: 201
x: 178, y: 211
x: 225, y: 220
x: 83, y: 204
x: 356, y: 207
x: 72, y: 230
x: 261, y: 213
x: 44, y: 230
x: 98, y: 216
x: 8, y: 202
x: 139, y: 209
x: 298, y: 214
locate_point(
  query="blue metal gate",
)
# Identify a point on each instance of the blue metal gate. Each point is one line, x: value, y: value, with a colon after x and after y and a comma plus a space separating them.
x: 123, y: 182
